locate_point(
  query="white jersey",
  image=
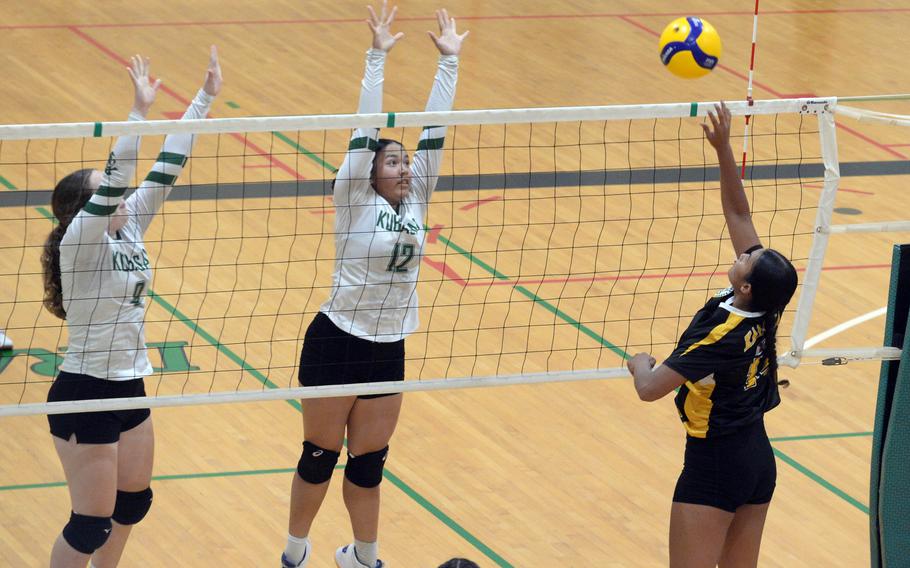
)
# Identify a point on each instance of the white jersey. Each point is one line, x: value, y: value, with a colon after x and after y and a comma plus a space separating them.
x: 378, y: 249
x: 105, y: 278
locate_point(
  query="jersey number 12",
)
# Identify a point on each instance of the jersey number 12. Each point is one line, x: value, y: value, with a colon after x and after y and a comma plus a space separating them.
x: 405, y: 252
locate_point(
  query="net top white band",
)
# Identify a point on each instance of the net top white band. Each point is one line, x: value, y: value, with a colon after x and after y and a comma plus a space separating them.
x: 409, y: 119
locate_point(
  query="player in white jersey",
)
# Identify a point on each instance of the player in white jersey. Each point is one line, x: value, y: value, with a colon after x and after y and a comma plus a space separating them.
x: 380, y: 201
x: 96, y: 273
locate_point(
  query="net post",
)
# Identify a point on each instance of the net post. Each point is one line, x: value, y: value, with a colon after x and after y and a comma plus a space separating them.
x: 824, y: 109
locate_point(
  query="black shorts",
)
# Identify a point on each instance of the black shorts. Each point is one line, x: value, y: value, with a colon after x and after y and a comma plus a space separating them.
x: 331, y: 356
x: 94, y: 427
x: 729, y: 471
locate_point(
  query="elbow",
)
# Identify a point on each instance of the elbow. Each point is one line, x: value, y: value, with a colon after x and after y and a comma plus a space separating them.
x: 648, y: 395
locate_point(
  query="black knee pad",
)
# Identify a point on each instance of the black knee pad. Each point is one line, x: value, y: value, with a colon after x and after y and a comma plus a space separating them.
x: 85, y: 533
x: 316, y: 464
x: 132, y: 506
x: 366, y: 470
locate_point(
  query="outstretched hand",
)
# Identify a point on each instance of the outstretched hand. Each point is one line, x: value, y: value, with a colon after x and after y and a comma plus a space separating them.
x: 448, y: 42
x: 379, y: 25
x: 145, y: 91
x: 720, y: 136
x: 212, y: 85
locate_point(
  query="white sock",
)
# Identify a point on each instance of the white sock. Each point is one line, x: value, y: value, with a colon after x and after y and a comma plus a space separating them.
x: 296, y: 548
x: 366, y: 552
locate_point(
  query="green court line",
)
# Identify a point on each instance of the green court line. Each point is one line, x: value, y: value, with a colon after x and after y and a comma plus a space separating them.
x: 577, y: 324
x: 487, y: 551
x: 32, y: 486
x: 473, y: 258
x: 820, y: 480
x: 197, y: 329
x: 305, y: 152
x: 232, y: 104
x: 47, y: 214
x: 6, y: 183
x: 821, y: 436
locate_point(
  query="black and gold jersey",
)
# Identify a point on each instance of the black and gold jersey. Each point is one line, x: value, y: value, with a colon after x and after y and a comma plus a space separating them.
x: 721, y: 355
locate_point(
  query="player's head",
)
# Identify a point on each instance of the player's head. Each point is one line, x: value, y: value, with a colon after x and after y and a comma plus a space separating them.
x: 459, y: 563
x: 391, y: 173
x: 72, y: 193
x: 765, y: 279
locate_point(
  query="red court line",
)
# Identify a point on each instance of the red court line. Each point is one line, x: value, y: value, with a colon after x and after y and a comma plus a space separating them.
x: 839, y: 189
x: 165, y: 89
x: 433, y: 234
x: 875, y: 143
x: 590, y: 279
x: 480, y: 202
x: 306, y: 21
x: 326, y: 211
x: 446, y: 271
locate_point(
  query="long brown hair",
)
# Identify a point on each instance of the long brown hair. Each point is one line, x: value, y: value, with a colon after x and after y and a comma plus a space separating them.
x: 69, y: 197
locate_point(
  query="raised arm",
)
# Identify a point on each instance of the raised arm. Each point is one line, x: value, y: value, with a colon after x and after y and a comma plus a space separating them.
x: 91, y: 223
x: 732, y: 196
x: 154, y: 189
x: 359, y: 159
x: 425, y: 169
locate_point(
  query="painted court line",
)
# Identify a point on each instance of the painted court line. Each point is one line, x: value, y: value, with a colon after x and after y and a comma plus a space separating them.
x: 504, y: 17
x: 812, y: 341
x: 820, y: 480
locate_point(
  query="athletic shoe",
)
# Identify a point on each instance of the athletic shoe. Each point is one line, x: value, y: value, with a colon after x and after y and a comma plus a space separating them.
x: 345, y: 558
x: 5, y: 342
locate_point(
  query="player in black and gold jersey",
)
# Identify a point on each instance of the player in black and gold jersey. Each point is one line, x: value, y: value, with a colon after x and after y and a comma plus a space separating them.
x: 725, y: 367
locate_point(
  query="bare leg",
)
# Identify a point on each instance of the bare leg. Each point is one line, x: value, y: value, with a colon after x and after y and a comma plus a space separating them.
x: 136, y: 455
x: 370, y: 428
x: 324, y: 421
x: 697, y: 535
x: 744, y: 537
x: 91, y: 477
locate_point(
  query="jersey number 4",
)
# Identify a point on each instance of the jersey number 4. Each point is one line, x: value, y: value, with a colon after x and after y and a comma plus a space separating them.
x: 401, y: 256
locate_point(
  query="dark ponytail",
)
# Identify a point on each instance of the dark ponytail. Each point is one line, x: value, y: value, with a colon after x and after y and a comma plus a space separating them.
x: 773, y: 279
x: 69, y: 197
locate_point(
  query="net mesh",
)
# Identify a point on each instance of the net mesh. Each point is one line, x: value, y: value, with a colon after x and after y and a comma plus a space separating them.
x: 551, y: 246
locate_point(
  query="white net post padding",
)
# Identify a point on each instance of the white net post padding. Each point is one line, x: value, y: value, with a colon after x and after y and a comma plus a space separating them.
x: 812, y: 276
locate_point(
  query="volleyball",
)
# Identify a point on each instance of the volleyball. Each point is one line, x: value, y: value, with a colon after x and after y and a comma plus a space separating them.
x: 690, y: 47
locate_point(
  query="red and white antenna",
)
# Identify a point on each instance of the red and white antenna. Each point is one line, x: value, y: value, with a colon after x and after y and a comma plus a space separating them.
x: 749, y: 89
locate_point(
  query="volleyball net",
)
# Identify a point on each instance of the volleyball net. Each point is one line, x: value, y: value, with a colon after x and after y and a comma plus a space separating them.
x: 559, y: 242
